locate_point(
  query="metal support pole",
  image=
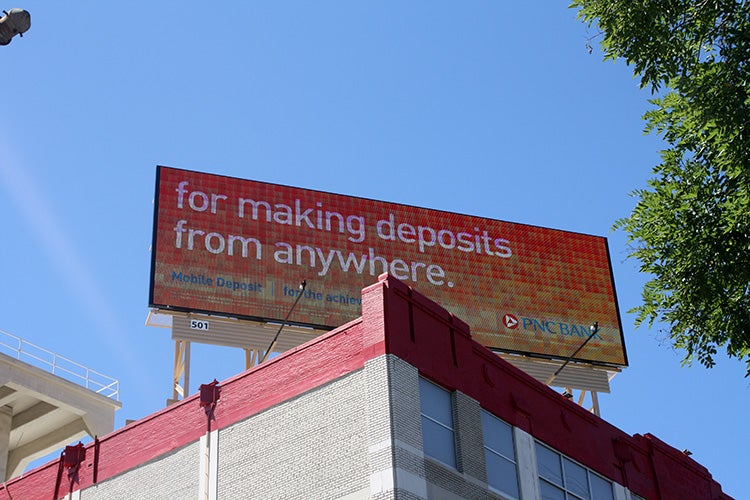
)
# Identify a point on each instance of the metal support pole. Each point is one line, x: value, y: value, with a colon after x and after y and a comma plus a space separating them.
x: 181, y: 370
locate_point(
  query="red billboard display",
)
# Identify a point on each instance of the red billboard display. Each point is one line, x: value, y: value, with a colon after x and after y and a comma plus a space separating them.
x: 241, y: 248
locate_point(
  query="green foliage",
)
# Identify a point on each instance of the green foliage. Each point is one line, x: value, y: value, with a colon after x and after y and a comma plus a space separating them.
x: 691, y: 227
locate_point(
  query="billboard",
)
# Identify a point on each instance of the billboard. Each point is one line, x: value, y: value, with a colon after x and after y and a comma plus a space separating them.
x: 241, y: 248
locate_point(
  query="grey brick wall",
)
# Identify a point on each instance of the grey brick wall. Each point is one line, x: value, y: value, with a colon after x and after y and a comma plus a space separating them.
x: 310, y: 447
x: 172, y: 476
x: 314, y: 446
x: 394, y: 428
x: 469, y: 437
x: 415, y: 476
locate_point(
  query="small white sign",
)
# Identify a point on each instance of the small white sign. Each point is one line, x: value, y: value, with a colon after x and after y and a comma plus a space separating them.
x: 198, y: 324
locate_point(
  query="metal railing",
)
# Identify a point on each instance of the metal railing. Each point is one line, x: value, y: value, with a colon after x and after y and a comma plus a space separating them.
x: 59, y: 365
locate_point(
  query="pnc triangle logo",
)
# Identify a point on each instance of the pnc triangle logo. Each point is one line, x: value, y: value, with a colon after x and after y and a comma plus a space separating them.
x: 510, y: 321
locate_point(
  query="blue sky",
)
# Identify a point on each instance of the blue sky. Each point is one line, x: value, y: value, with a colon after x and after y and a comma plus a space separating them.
x: 493, y: 109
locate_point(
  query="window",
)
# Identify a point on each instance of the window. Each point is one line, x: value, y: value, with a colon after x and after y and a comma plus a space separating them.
x: 563, y: 479
x: 437, y: 423
x: 499, y: 455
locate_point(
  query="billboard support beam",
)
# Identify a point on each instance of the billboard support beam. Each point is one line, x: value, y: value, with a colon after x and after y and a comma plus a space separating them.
x: 594, y: 401
x: 251, y: 358
x: 181, y: 372
x: 568, y: 394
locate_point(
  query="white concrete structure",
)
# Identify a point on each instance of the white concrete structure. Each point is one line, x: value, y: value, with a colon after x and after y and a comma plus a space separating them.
x: 41, y: 412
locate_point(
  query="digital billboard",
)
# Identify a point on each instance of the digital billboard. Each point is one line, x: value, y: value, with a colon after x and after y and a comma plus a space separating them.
x: 241, y: 248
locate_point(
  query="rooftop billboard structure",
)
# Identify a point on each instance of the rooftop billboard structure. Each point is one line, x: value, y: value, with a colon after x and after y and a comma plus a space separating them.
x: 241, y: 248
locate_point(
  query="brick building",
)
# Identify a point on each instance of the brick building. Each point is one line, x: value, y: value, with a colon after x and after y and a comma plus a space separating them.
x: 400, y: 403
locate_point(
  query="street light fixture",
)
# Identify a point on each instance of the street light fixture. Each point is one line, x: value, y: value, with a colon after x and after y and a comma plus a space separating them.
x: 14, y: 22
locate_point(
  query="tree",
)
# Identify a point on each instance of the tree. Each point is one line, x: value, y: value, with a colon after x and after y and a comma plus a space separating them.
x: 690, y: 229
